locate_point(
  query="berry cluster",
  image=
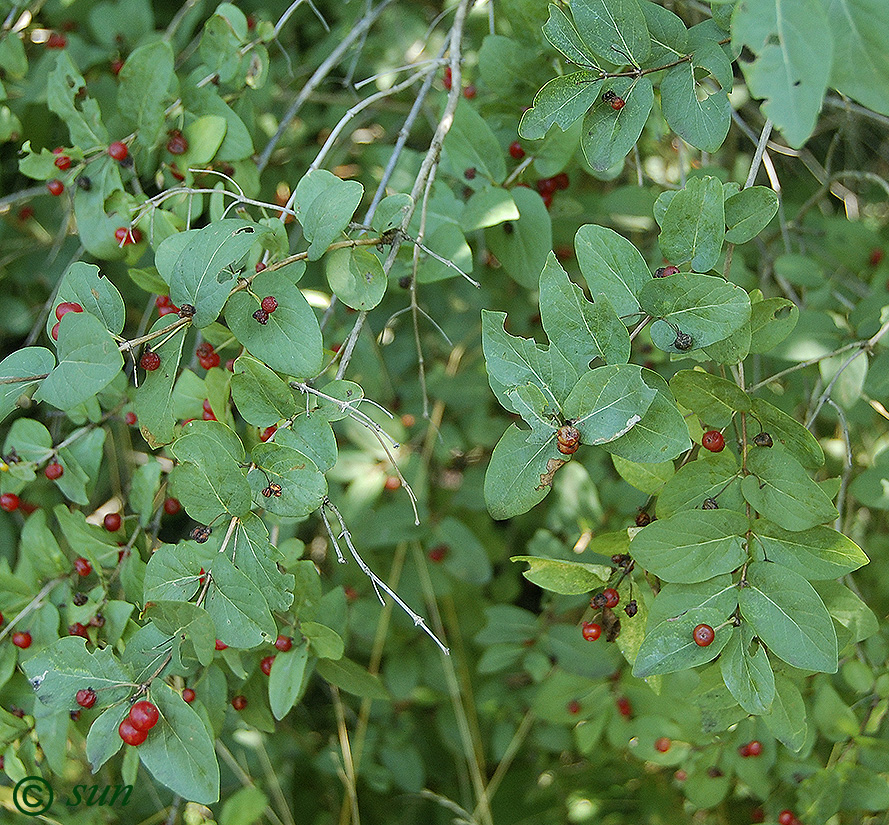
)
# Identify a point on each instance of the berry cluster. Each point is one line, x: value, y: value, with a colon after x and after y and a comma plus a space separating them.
x: 61, y: 310
x: 207, y: 356
x: 266, y: 307
x: 142, y: 718
x: 547, y: 187
x: 126, y: 235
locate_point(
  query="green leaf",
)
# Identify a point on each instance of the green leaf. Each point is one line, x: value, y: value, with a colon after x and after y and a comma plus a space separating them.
x: 819, y: 553
x: 324, y: 206
x: 179, y: 751
x: 607, y: 402
x: 356, y: 277
x: 669, y: 38
x: 237, y: 607
x: 562, y: 101
x: 649, y: 478
x: 861, y: 68
x: 261, y: 397
x: 324, y: 642
x: 693, y: 225
x: 58, y: 671
x: 771, y: 321
x: 749, y: 212
x: 467, y: 557
x: 691, y: 546
x: 311, y: 435
x: 470, y: 144
x: 519, y: 474
x: 303, y: 486
x: 787, y: 717
x: 351, y: 677
x: 747, y: 673
x: 566, y: 577
x: 703, y: 306
x: 244, y: 807
x: 711, y: 474
x: 257, y: 558
x: 522, y: 246
x: 781, y: 490
x: 82, y: 283
x: 204, y: 272
x: 661, y: 435
x: 88, y: 361
x: 674, y: 600
x: 153, y: 400
x: 847, y: 610
x: 27, y: 362
x: 185, y: 621
x: 580, y: 330
x: 560, y: 30
x: 286, y: 679
x: 788, y: 432
x: 670, y: 645
x: 290, y: 343
x: 533, y: 406
x: 713, y: 399
x: 103, y: 740
x: 143, y: 489
x: 608, y: 135
x: 80, y: 114
x: 793, y: 44
x: 789, y: 617
x: 614, y: 29
x: 144, y: 83
x: 611, y: 265
x: 488, y: 207
x: 174, y: 570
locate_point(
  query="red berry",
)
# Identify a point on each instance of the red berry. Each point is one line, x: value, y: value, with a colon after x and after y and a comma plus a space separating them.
x: 56, y: 41
x: 126, y: 235
x: 283, y: 643
x: 269, y: 303
x: 469, y: 173
x: 63, y: 162
x: 54, y: 471
x: 516, y: 151
x: 54, y: 332
x: 220, y: 645
x: 239, y: 702
x: 876, y: 256
x: 666, y: 271
x: 703, y: 635
x: 260, y: 266
x: 172, y: 506
x: 447, y: 78
x: 144, y: 715
x: 82, y: 566
x: 230, y: 365
x: 753, y: 748
x: 624, y: 708
x: 1, y: 618
x: 67, y: 306
x: 266, y: 665
x: 591, y: 631
x: 210, y: 361
x: 262, y: 316
x: 28, y: 508
x: 112, y: 522
x: 713, y: 440
x: 178, y: 143
x: 392, y: 482
x: 546, y: 186
x: 55, y: 186
x: 209, y: 416
x: 547, y: 200
x: 116, y: 65
x: 26, y: 213
x: 786, y: 817
x: 162, y: 301
x: 167, y: 310
x: 561, y: 180
x: 662, y: 745
x: 680, y: 775
x: 268, y: 432
x: 149, y: 361
x: 9, y: 502
x: 130, y: 418
x: 208, y: 407
x: 469, y: 92
x: 86, y: 698
x: 118, y: 150
x: 438, y: 554
x: 130, y: 733
x: 78, y: 629
x: 617, y: 103
x: 757, y: 815
x: 573, y: 707
x: 611, y: 597
x: 188, y: 695
x: 22, y: 639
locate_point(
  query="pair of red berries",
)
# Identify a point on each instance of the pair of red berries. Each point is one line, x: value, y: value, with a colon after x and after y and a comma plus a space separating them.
x: 165, y: 306
x: 142, y: 718
x: 753, y: 748
x: 266, y: 307
x: 208, y: 357
x: 126, y: 235
x: 61, y: 311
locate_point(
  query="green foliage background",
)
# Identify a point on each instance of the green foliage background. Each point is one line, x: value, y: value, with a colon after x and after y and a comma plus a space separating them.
x: 463, y: 265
